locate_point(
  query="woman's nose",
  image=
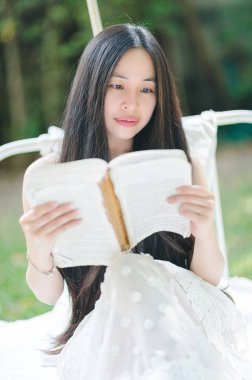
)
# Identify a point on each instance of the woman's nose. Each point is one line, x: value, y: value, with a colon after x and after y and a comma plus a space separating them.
x: 130, y: 101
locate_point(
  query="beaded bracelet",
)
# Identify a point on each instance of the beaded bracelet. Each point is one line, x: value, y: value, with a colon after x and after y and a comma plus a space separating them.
x: 44, y: 273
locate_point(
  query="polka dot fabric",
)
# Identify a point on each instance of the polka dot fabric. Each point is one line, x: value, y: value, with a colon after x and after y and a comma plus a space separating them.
x: 149, y: 324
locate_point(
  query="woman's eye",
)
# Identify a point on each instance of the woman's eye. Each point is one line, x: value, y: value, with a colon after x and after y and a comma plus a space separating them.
x: 116, y: 86
x: 146, y: 90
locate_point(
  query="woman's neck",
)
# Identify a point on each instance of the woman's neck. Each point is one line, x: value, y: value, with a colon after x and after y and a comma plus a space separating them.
x: 117, y: 148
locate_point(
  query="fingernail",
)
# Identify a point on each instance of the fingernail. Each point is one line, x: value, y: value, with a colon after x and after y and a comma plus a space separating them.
x: 69, y: 204
x: 179, y: 189
x: 54, y: 204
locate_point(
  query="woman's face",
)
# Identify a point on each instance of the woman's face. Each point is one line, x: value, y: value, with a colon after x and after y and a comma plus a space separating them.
x: 131, y: 96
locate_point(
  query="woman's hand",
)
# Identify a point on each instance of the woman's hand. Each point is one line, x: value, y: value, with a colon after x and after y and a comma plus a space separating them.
x: 197, y: 204
x: 41, y: 226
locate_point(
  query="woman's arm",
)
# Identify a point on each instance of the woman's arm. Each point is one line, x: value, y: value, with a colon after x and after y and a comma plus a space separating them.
x: 197, y: 203
x: 41, y: 225
x: 47, y: 289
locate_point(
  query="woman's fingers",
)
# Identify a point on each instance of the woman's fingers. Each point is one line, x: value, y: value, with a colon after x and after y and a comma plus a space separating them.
x: 193, y: 208
x: 65, y: 226
x: 193, y: 216
x: 44, y: 213
x: 36, y: 212
x: 197, y: 204
x: 65, y: 208
x: 57, y: 222
x: 49, y: 217
x: 193, y: 194
x: 207, y: 202
x: 194, y: 189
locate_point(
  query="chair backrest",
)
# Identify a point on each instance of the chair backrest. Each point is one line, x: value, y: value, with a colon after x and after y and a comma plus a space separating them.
x: 201, y: 134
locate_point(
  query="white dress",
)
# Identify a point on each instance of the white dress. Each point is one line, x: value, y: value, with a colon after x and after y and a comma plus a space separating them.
x: 157, y: 321
x: 153, y: 321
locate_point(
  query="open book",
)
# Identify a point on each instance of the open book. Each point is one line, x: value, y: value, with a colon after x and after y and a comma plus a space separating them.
x: 121, y: 202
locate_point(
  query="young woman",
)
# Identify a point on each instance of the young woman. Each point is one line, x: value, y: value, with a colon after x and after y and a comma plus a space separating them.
x: 156, y: 316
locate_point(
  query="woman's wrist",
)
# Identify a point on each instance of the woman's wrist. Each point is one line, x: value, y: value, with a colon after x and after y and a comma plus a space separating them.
x: 44, y: 267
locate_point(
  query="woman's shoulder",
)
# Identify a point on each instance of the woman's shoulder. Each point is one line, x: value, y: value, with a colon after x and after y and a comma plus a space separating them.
x: 48, y: 159
x: 51, y: 158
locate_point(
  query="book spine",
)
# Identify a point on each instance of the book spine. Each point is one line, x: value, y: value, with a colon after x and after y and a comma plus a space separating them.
x: 114, y: 212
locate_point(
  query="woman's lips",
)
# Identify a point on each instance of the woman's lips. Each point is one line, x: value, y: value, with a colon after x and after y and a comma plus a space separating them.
x: 127, y: 122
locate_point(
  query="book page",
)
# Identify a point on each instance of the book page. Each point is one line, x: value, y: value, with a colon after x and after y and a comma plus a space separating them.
x: 142, y: 189
x: 93, y: 241
x: 146, y: 155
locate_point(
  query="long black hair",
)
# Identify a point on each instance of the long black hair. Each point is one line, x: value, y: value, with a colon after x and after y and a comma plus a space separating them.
x: 86, y: 137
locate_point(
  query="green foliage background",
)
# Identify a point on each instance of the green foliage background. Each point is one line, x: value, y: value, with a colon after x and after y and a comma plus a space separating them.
x: 208, y: 44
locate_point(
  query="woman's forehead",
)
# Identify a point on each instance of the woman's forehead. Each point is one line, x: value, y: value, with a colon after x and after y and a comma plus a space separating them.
x: 136, y: 62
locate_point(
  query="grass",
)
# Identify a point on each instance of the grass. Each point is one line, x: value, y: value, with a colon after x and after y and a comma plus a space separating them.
x: 237, y: 212
x: 235, y: 179
x: 16, y: 299
x: 18, y: 302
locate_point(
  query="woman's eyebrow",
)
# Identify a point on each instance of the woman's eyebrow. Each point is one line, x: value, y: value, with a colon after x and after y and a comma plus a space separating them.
x: 116, y: 75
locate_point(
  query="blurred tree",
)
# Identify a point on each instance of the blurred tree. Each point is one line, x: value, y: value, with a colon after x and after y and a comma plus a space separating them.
x: 235, y: 39
x: 66, y: 30
x: 14, y: 78
x: 208, y: 45
x: 51, y: 37
x: 207, y: 72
